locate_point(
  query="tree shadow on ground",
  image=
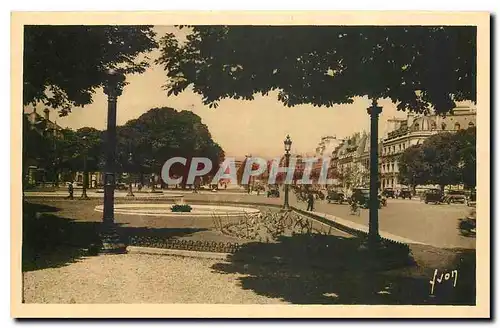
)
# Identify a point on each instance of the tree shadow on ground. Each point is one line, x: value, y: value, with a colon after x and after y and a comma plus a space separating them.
x: 51, y: 241
x: 334, y: 270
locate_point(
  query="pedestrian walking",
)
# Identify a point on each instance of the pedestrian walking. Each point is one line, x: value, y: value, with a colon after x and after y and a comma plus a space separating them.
x: 310, y: 202
x: 70, y: 190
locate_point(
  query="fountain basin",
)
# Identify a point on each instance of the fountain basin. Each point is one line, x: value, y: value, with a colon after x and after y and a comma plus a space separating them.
x: 165, y: 210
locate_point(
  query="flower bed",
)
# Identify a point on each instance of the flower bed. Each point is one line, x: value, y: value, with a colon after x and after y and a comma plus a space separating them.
x: 189, y: 245
x: 269, y: 226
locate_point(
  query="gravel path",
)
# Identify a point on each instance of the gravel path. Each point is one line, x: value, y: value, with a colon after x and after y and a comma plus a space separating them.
x: 138, y: 278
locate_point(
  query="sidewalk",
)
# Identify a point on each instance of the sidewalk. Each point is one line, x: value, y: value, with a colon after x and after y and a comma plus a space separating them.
x: 361, y: 227
x: 139, y: 278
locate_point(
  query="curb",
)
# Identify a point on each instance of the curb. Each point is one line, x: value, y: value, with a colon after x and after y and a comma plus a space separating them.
x: 361, y: 231
x: 177, y: 252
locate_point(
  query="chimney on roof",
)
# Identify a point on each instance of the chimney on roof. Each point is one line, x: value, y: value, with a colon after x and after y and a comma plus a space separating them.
x: 46, y: 112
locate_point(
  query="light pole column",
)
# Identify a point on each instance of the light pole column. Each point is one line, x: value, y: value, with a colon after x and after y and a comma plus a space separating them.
x: 130, y: 192
x: 110, y: 240
x: 85, y: 178
x: 288, y: 147
x: 374, y: 111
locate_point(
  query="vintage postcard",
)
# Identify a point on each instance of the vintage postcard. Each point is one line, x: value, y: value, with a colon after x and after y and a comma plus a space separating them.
x: 250, y: 164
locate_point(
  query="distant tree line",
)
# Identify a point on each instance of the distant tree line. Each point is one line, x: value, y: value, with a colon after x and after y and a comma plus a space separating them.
x: 143, y: 145
x: 442, y: 159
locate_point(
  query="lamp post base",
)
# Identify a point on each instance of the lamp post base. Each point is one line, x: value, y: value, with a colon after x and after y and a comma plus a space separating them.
x: 111, y: 241
x: 84, y: 196
x: 372, y: 243
x: 285, y: 209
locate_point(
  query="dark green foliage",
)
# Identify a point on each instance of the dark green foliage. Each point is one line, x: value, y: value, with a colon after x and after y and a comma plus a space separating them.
x: 63, y: 65
x: 444, y: 158
x: 326, y: 65
x: 163, y: 133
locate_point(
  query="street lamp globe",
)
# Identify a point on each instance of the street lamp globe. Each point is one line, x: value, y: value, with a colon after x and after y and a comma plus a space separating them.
x: 115, y: 78
x: 288, y: 143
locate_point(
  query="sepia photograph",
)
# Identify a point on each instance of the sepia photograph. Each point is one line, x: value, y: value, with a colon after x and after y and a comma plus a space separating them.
x: 214, y: 161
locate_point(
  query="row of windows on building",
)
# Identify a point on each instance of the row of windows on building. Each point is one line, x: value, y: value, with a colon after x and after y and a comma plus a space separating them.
x: 443, y: 126
x: 389, y: 167
x: 392, y: 149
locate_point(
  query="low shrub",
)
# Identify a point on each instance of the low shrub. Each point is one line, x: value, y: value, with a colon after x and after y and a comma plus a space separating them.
x: 181, y: 208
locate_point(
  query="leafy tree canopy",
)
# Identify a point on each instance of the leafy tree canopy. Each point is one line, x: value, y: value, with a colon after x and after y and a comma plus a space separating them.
x: 444, y: 158
x: 163, y: 133
x: 63, y: 65
x: 326, y: 65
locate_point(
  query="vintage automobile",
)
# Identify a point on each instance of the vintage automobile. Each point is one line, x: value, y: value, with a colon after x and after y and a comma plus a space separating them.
x: 335, y: 197
x: 471, y: 200
x: 121, y: 186
x: 273, y: 192
x: 435, y: 196
x: 405, y: 193
x: 456, y: 196
x: 389, y: 192
x: 362, y: 197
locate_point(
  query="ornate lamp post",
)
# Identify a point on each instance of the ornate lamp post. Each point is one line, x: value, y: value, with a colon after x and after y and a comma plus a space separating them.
x: 85, y: 173
x: 56, y: 161
x: 373, y: 235
x: 130, y: 192
x: 288, y: 147
x: 111, y: 242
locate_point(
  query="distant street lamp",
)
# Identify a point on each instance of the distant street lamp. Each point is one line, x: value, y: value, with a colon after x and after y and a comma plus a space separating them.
x: 111, y: 242
x: 130, y: 192
x: 85, y: 173
x: 153, y: 177
x: 288, y: 147
x: 56, y: 161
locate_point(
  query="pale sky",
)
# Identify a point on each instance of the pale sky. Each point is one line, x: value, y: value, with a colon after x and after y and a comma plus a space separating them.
x: 255, y: 127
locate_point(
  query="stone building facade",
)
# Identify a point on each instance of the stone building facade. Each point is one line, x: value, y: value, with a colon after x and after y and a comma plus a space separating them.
x: 413, y: 130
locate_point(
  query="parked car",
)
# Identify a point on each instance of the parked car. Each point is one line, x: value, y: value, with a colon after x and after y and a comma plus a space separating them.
x: 405, y: 193
x: 335, y: 197
x: 273, y: 192
x: 471, y: 200
x: 121, y: 186
x: 434, y: 196
x: 456, y: 196
x: 389, y: 192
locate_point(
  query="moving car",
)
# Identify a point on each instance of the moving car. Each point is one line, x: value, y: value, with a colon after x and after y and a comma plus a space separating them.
x: 121, y: 186
x: 335, y: 196
x: 405, y: 193
x: 361, y: 196
x: 388, y: 192
x: 456, y: 196
x: 434, y: 196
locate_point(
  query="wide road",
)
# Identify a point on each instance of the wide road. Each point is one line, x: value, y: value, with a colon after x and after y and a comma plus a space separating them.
x: 435, y: 225
x: 430, y: 224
